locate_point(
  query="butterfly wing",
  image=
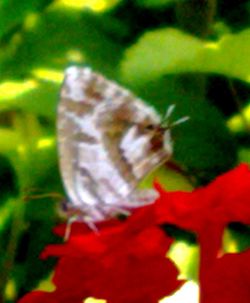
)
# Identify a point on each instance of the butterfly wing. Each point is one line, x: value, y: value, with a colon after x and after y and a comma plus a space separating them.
x: 104, y: 146
x: 134, y: 149
x: 74, y: 129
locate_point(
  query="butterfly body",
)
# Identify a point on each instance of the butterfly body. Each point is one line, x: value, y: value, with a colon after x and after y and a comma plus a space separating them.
x: 108, y: 141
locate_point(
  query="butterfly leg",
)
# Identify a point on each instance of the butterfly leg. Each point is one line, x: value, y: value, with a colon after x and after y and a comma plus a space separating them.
x: 70, y: 221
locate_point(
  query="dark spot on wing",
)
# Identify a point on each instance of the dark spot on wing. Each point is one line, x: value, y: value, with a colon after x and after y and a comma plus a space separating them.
x: 83, y: 137
x: 78, y: 108
x: 92, y: 93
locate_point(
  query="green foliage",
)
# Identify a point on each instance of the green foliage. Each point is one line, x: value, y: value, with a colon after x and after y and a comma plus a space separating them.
x: 13, y: 13
x: 155, y: 3
x: 141, y: 44
x: 171, y: 51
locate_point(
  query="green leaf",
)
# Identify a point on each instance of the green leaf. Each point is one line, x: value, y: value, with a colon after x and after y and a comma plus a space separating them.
x: 6, y: 212
x: 244, y: 155
x: 30, y: 95
x: 170, y: 51
x: 172, y: 180
x: 204, y: 145
x: 59, y: 38
x: 236, y: 238
x: 8, y: 180
x: 156, y: 3
x: 240, y: 122
x: 13, y: 12
x: 185, y: 256
x: 31, y: 149
x: 29, y: 268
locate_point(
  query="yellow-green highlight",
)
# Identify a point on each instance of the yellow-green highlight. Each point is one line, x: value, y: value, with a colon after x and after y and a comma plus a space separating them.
x: 13, y: 89
x: 168, y: 178
x: 186, y: 258
x: 10, y: 290
x: 94, y: 5
x: 45, y: 143
x: 237, y: 123
x: 48, y: 74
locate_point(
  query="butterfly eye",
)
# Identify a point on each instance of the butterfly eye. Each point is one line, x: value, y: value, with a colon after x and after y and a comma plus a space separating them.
x: 150, y: 127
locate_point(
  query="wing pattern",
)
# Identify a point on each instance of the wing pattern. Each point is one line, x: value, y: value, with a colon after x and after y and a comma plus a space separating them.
x: 108, y: 141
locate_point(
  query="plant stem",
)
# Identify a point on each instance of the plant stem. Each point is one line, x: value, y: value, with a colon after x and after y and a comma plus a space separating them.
x: 196, y: 16
x: 15, y: 232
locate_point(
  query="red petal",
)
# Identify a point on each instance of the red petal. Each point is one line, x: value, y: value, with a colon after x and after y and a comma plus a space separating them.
x: 228, y: 280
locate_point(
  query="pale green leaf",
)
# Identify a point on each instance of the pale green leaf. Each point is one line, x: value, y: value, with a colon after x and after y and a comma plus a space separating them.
x: 171, y: 51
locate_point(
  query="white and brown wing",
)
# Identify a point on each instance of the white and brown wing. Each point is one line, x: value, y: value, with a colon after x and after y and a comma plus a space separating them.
x: 108, y: 141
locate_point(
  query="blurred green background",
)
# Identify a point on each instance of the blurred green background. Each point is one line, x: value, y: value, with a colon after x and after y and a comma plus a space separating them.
x: 191, y: 53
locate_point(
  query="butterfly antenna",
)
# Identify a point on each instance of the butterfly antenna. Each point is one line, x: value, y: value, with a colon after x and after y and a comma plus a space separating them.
x: 180, y: 121
x: 169, y: 111
x: 168, y: 114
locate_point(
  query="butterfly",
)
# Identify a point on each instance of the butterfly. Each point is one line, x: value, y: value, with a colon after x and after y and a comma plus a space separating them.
x: 108, y: 141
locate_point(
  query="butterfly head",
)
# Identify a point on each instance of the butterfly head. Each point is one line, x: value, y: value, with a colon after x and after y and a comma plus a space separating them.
x: 160, y: 134
x: 160, y: 137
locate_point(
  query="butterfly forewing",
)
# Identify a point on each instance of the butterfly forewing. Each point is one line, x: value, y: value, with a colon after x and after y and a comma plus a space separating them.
x: 108, y: 141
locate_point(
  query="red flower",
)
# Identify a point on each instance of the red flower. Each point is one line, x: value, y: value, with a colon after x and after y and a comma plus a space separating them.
x: 224, y: 200
x: 227, y: 280
x: 208, y: 210
x: 121, y: 263
x: 125, y: 261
